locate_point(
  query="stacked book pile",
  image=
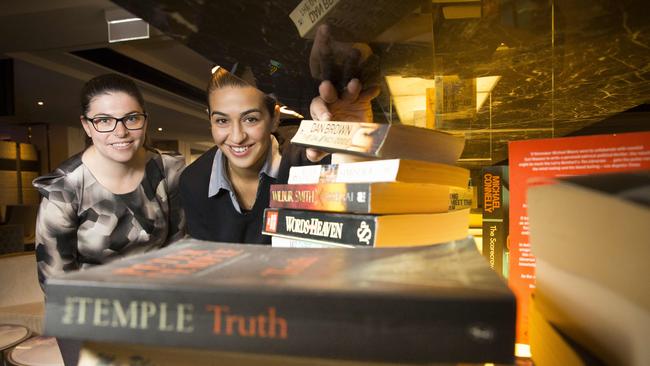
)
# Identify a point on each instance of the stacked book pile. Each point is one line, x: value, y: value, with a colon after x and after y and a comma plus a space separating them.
x: 388, y: 185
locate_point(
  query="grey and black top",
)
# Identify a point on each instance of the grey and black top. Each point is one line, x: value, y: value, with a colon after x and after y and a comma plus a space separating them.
x: 81, y: 224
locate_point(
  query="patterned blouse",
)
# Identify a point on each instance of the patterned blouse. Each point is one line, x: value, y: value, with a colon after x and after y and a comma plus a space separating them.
x: 81, y: 224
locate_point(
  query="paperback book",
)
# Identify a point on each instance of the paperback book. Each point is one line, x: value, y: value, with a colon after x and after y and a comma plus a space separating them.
x: 588, y: 235
x: 496, y: 204
x: 377, y: 198
x: 279, y: 241
x: 128, y: 354
x: 343, y: 17
x: 367, y: 230
x: 550, y: 347
x: 385, y: 170
x: 461, y: 198
x: 380, y: 141
x: 437, y: 303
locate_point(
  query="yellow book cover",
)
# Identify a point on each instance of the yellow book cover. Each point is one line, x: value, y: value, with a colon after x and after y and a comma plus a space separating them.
x: 549, y: 347
x: 376, y: 198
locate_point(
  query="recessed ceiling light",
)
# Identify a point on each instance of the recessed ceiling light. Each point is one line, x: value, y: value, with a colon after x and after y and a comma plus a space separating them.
x: 40, y: 103
x: 159, y: 128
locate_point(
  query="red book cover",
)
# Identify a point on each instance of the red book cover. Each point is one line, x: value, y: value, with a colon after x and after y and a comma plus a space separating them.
x: 554, y: 158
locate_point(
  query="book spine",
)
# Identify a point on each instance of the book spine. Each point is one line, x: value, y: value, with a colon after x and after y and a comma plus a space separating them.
x: 288, y: 242
x: 460, y: 198
x: 495, y: 216
x: 368, y: 171
x: 310, y: 324
x: 335, y: 136
x: 311, y: 225
x: 337, y: 197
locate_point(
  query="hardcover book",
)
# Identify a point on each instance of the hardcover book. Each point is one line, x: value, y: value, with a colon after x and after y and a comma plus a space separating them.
x: 122, y: 354
x: 437, y: 303
x: 367, y: 230
x: 378, y: 198
x: 384, y: 141
x: 385, y: 170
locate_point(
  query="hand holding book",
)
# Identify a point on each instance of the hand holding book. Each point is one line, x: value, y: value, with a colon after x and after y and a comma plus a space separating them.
x: 339, y: 62
x: 348, y: 78
x: 338, y: 65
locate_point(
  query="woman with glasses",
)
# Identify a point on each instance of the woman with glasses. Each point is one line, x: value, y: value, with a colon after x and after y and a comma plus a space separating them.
x: 115, y: 198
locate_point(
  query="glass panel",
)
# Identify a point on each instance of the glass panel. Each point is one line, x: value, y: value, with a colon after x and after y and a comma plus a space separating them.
x: 492, y: 70
x: 494, y: 73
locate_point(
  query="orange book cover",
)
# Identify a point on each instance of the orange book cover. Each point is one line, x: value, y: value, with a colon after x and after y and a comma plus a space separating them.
x: 376, y: 198
x: 554, y: 158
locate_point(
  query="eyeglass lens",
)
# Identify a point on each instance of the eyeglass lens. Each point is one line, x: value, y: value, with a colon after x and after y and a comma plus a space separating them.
x: 108, y: 124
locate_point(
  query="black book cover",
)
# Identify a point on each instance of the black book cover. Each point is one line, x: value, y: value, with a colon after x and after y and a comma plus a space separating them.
x: 367, y: 230
x: 437, y: 303
x: 496, y: 200
x: 340, y: 228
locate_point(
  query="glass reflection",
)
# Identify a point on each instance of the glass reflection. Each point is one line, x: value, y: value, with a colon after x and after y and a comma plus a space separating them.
x: 492, y: 70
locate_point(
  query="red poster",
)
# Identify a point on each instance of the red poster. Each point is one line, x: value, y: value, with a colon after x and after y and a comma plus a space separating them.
x: 553, y: 158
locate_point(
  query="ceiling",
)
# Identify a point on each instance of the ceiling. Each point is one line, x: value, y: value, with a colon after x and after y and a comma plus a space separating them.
x: 491, y: 70
x: 44, y: 39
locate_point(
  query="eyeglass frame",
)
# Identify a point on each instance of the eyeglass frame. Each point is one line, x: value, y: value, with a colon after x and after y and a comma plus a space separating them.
x: 118, y: 120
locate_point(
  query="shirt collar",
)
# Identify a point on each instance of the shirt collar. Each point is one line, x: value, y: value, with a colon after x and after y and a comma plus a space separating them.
x: 219, y: 178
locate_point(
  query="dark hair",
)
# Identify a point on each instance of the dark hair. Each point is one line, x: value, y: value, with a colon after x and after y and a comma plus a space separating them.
x: 221, y: 78
x: 108, y: 83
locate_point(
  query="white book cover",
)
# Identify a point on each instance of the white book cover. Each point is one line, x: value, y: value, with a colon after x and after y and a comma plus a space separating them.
x: 365, y: 171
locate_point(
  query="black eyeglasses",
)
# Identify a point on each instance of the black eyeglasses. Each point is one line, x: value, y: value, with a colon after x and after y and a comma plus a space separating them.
x: 133, y: 121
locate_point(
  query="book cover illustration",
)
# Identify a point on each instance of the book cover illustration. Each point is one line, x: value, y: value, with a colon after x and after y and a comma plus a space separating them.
x: 333, y: 303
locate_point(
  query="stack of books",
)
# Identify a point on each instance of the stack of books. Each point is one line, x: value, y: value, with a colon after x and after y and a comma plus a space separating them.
x: 388, y: 185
